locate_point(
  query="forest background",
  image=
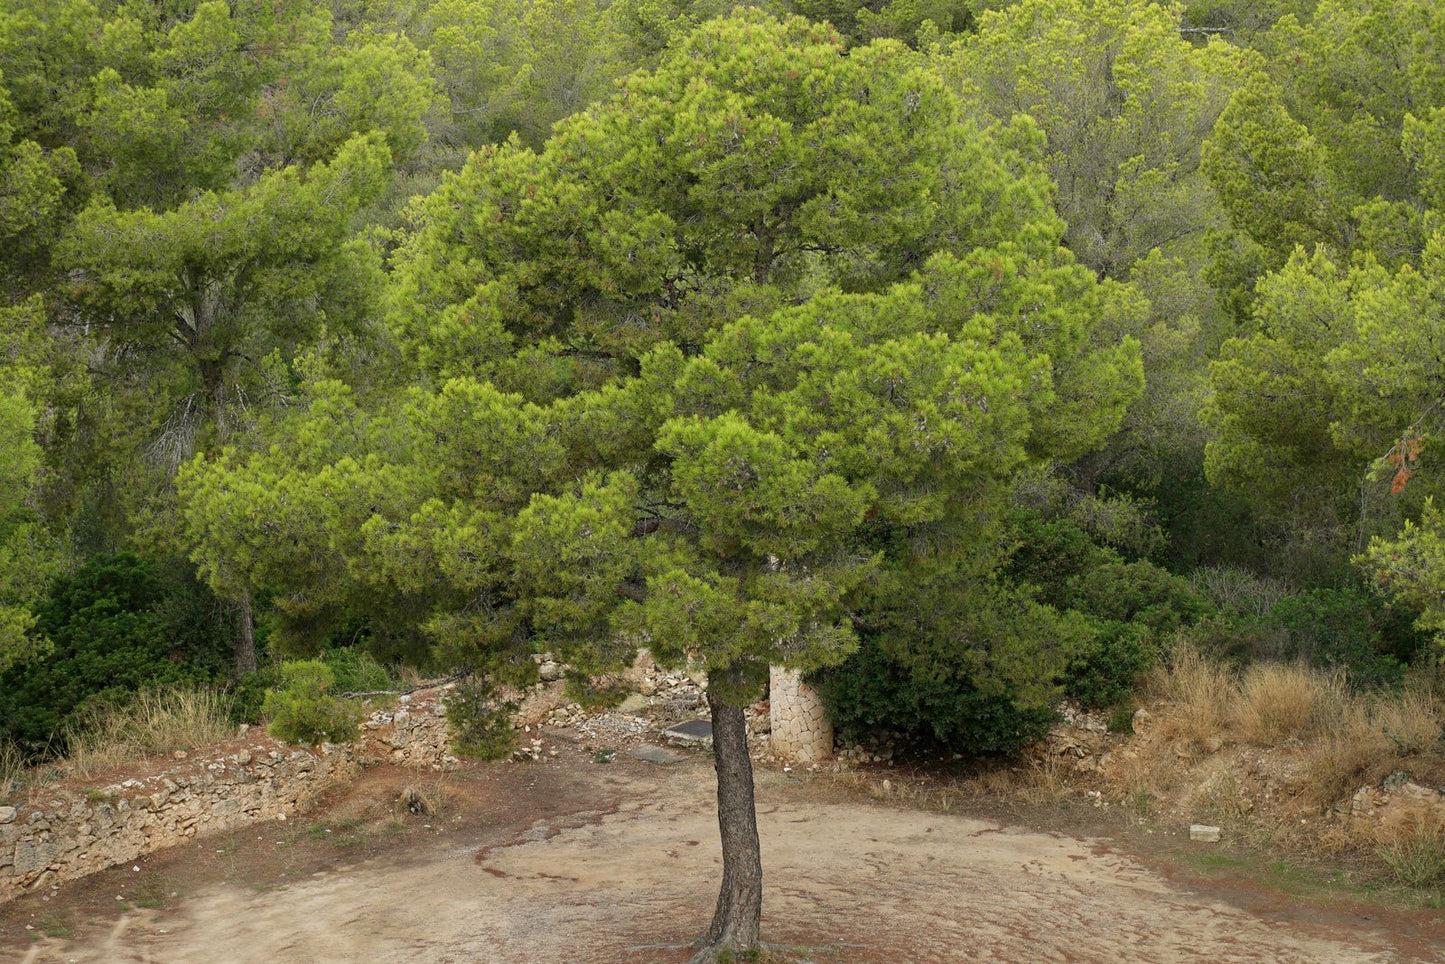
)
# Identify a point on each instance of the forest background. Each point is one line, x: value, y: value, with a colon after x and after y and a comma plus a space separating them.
x: 964, y: 354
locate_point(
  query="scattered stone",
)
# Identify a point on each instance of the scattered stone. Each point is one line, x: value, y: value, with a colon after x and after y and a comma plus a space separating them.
x: 1142, y: 719
x: 550, y: 672
x: 1395, y: 781
x: 612, y: 728
x: 1203, y: 833
x: 1082, y: 719
x: 7, y: 814
x: 655, y: 754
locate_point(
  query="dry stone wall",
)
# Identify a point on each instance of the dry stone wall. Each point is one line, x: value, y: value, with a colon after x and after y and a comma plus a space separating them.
x: 70, y: 833
x: 66, y: 832
x: 801, y: 730
x: 413, y: 734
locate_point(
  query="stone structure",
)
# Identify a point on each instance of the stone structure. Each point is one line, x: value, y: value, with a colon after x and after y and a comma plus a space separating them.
x: 414, y: 734
x: 1398, y: 804
x: 801, y: 730
x: 70, y: 833
x: 67, y: 832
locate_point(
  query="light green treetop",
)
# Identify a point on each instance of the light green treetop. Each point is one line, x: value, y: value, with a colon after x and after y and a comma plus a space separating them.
x: 1125, y: 103
x: 695, y: 369
x: 217, y: 284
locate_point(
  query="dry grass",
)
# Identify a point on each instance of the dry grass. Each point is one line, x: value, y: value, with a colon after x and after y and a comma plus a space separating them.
x: 1369, y: 737
x: 1218, y: 795
x: 895, y: 788
x: 1283, y: 701
x: 12, y: 769
x: 156, y: 722
x: 424, y: 799
x: 1411, y: 722
x: 1195, y: 696
x: 1414, y: 849
x: 1349, y: 754
x: 1339, y: 740
x: 992, y: 782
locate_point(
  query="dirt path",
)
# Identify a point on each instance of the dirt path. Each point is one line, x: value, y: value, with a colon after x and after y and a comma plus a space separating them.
x: 571, y: 861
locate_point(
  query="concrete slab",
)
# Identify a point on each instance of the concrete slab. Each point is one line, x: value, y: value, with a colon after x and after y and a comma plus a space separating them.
x: 690, y: 733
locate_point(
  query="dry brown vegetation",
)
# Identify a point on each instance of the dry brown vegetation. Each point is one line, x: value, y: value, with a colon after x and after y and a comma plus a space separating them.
x: 1197, y: 696
x: 156, y: 722
x: 113, y: 736
x: 12, y: 768
x: 1342, y: 738
x: 1269, y: 749
x: 1414, y: 849
x: 1276, y: 702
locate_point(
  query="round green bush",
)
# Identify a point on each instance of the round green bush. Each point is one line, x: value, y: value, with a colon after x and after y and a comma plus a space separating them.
x: 303, y: 711
x: 871, y: 694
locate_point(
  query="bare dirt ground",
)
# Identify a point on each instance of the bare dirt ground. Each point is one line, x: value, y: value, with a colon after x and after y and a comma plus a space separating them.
x: 573, y: 860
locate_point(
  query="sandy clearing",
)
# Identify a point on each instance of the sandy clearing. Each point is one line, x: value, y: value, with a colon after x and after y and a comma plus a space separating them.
x: 626, y: 869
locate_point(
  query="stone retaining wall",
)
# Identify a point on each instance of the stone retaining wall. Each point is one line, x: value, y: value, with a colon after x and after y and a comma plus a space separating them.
x: 67, y: 832
x: 413, y: 734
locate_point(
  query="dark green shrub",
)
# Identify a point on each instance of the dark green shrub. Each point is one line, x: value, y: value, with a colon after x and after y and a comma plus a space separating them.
x: 118, y: 625
x: 593, y: 693
x: 872, y: 694
x: 1349, y: 629
x: 1236, y: 639
x: 1127, y: 606
x: 356, y: 670
x: 1068, y: 570
x: 248, y: 693
x: 1135, y: 592
x: 1121, y: 717
x: 1048, y: 555
x: 302, y: 710
x: 479, y: 722
x: 1105, y: 670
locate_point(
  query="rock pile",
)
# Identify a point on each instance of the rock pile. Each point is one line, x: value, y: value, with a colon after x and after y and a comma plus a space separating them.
x: 1396, y: 801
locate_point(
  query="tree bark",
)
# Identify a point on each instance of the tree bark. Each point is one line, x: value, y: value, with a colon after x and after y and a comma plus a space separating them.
x: 737, y: 923
x: 245, y: 636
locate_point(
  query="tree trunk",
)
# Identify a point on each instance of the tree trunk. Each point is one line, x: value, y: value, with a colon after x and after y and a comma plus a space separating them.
x: 737, y: 923
x: 245, y: 636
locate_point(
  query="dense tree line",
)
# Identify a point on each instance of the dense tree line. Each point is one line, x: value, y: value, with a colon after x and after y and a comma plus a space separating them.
x: 959, y: 353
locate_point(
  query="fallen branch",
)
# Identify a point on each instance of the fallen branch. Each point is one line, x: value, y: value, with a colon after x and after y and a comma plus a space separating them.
x: 426, y: 685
